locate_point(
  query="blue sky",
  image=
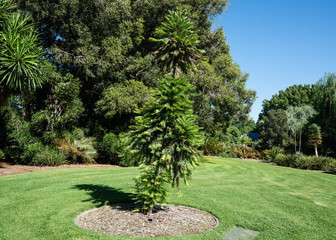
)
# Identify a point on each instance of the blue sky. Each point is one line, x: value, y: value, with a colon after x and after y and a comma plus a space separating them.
x: 280, y: 43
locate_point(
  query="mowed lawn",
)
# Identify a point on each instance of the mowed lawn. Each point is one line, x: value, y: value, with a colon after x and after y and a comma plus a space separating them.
x: 281, y: 203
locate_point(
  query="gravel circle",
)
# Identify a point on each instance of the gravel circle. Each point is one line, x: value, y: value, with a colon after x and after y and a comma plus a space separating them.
x: 165, y: 220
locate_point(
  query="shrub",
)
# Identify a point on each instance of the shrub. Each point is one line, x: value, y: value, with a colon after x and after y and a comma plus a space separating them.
x: 49, y: 157
x: 73, y: 154
x: 271, y: 154
x: 30, y: 151
x: 285, y: 160
x: 311, y: 163
x: 212, y: 147
x: 330, y: 165
x: 306, y: 162
x: 247, y: 152
x: 109, y: 149
x: 2, y: 155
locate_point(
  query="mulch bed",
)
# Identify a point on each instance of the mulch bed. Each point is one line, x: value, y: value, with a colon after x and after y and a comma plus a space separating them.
x: 172, y: 220
x: 9, y: 169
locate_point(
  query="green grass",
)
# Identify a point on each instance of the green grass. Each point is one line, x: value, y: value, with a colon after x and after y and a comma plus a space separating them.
x: 281, y: 203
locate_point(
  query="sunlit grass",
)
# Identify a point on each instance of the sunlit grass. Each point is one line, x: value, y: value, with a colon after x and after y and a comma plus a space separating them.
x: 281, y: 203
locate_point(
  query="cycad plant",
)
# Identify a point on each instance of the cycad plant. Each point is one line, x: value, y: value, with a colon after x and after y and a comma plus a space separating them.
x: 165, y: 138
x: 177, y: 41
x: 20, y: 53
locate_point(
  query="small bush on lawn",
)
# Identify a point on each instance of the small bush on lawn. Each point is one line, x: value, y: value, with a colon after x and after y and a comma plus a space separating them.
x: 49, y: 157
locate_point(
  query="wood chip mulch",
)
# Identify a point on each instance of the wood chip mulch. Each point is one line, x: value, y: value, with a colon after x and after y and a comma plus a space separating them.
x: 172, y: 220
x: 9, y: 169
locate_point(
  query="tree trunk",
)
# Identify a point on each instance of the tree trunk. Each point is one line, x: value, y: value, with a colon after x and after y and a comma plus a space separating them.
x: 300, y: 140
x: 295, y: 140
x: 315, y: 146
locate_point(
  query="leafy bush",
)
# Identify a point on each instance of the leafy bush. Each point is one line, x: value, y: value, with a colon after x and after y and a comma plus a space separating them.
x: 30, y: 151
x: 312, y: 163
x: 285, y: 160
x: 306, y: 162
x: 49, y: 157
x: 330, y: 166
x: 212, y: 147
x: 109, y: 149
x: 271, y: 154
x: 2, y: 155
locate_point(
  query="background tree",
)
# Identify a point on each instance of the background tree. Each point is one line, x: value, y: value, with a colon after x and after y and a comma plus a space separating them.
x: 314, y: 136
x: 297, y: 118
x: 274, y: 129
x: 115, y: 50
x: 295, y: 96
x: 325, y: 102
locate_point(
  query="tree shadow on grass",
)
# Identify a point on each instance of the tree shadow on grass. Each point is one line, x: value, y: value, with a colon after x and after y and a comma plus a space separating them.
x: 102, y: 195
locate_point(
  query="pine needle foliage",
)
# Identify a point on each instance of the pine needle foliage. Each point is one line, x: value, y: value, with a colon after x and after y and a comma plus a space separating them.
x: 166, y: 137
x: 178, y: 43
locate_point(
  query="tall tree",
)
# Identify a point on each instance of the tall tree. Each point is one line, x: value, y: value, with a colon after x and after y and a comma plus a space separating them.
x: 274, y: 129
x: 325, y: 102
x: 297, y: 118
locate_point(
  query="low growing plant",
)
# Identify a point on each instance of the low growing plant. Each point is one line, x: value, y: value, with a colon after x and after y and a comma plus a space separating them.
x: 49, y: 157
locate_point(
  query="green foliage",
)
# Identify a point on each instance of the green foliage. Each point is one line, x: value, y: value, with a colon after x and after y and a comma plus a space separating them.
x: 49, y: 156
x: 271, y: 154
x: 314, y: 136
x: 109, y: 149
x: 123, y: 98
x: 150, y: 189
x: 274, y: 129
x: 178, y: 42
x: 212, y: 147
x: 306, y: 162
x: 166, y: 135
x: 30, y: 151
x: 2, y: 154
x: 326, y: 103
x: 294, y: 96
x: 20, y: 53
x: 247, y: 152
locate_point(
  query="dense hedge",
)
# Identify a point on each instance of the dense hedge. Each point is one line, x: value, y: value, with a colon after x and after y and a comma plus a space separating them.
x: 306, y: 162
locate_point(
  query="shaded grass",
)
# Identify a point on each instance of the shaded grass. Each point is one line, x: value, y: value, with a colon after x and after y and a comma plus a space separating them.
x: 281, y: 203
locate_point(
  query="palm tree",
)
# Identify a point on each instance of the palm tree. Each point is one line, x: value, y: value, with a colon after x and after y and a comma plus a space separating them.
x: 314, y: 136
x: 178, y: 42
x: 20, y: 53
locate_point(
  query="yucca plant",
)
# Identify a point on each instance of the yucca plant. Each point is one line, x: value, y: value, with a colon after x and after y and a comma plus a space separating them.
x: 20, y: 53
